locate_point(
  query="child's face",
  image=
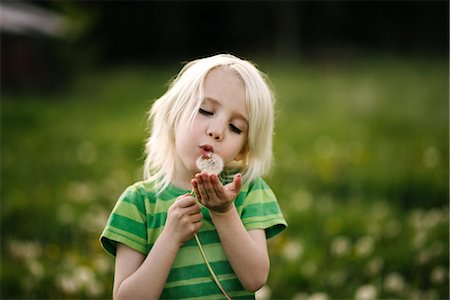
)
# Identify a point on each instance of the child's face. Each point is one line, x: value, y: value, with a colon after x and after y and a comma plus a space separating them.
x: 221, y: 122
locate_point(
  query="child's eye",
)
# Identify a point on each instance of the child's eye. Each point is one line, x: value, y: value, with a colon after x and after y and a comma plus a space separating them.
x: 205, y: 112
x: 235, y: 129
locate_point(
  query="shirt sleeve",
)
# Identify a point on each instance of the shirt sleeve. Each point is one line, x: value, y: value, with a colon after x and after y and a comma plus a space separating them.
x: 260, y: 209
x: 127, y: 223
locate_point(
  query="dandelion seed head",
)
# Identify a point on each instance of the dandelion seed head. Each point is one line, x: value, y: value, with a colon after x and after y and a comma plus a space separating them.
x: 366, y: 292
x: 67, y: 284
x: 211, y: 163
x: 340, y: 245
x: 263, y: 293
x: 438, y: 275
x: 394, y: 282
x: 319, y: 296
x: 374, y: 266
x: 364, y: 246
x: 25, y: 249
x: 292, y: 250
x: 35, y: 268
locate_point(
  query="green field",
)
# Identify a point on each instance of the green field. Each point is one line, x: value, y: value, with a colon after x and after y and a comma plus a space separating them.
x: 361, y: 173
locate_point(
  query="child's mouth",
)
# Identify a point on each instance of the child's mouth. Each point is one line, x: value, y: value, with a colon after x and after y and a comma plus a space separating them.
x: 206, y: 151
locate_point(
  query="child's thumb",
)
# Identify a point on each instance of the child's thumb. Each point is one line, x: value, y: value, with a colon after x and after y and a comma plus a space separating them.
x: 237, y: 183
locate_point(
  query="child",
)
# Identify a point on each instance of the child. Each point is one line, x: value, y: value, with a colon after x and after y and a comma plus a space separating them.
x: 220, y: 105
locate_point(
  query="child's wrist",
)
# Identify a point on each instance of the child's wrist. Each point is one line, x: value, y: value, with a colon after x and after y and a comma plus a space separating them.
x: 223, y: 214
x: 168, y: 239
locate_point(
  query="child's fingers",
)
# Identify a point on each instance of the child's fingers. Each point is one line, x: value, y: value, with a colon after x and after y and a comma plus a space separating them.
x: 195, y: 184
x: 185, y: 201
x: 197, y: 217
x: 194, y: 209
x: 201, y: 189
x: 197, y: 226
x: 217, y: 185
x: 207, y: 183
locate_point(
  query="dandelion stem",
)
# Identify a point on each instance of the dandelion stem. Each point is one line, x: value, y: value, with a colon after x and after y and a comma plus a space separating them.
x: 210, y: 269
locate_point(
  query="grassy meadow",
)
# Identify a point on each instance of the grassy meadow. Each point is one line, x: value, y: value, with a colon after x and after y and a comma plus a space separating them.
x: 361, y: 173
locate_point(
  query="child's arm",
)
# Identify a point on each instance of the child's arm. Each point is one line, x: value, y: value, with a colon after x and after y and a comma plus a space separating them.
x: 140, y: 277
x: 246, y: 250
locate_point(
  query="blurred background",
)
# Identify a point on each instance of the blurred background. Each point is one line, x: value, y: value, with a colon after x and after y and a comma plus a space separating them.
x: 361, y: 147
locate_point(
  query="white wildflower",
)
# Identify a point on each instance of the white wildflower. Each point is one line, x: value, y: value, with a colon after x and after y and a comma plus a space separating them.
x: 364, y: 246
x: 25, y: 249
x: 94, y: 288
x: 80, y: 192
x: 35, y: 268
x: 93, y: 220
x: 433, y: 218
x: 366, y: 292
x: 340, y: 245
x: 102, y: 264
x: 438, y: 275
x: 394, y: 282
x: 319, y: 296
x: 67, y: 284
x: 263, y: 293
x: 292, y: 250
x: 212, y: 164
x: 374, y: 266
x: 83, y: 275
x: 424, y: 257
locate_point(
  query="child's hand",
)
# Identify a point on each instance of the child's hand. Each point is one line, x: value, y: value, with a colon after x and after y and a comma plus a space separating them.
x: 183, y: 219
x: 212, y: 194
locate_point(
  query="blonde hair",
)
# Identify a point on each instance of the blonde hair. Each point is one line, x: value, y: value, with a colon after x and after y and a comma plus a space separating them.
x: 182, y: 101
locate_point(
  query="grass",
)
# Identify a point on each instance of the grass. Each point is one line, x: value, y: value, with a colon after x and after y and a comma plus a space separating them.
x: 361, y: 173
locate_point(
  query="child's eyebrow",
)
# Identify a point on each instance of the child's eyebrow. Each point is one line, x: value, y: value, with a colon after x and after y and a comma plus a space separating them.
x: 211, y: 100
x: 237, y: 114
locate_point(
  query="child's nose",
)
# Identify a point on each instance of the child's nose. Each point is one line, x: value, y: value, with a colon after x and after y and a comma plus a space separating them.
x: 215, y: 136
x: 216, y: 132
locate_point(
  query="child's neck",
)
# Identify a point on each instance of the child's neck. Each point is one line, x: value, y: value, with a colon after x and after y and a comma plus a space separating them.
x: 182, y: 184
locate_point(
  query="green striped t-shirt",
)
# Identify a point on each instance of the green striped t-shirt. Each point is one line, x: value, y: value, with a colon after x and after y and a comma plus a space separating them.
x: 139, y: 217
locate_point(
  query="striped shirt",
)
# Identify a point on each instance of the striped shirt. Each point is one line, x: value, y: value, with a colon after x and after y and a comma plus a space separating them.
x: 139, y: 217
